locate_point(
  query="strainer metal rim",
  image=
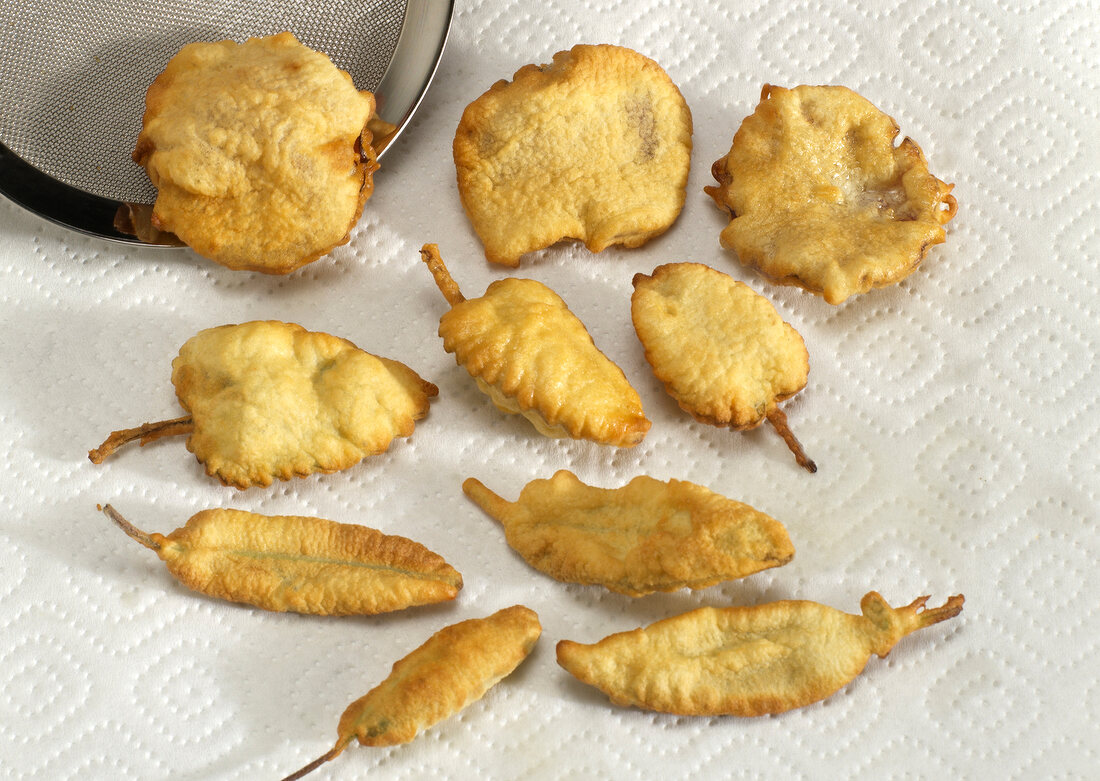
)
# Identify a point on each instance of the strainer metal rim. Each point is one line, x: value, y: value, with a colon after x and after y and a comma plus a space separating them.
x: 415, y: 61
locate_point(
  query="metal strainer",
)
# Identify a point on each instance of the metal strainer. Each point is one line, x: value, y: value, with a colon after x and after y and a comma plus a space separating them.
x: 73, y: 76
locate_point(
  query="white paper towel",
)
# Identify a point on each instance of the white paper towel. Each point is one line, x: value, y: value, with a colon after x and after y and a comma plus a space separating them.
x: 953, y: 418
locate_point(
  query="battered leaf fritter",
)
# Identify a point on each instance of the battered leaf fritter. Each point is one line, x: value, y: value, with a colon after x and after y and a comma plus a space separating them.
x: 722, y: 350
x: 304, y: 565
x: 272, y: 400
x: 453, y: 669
x: 532, y: 356
x: 745, y: 661
x: 259, y: 151
x: 644, y: 537
x: 821, y: 198
x: 595, y: 146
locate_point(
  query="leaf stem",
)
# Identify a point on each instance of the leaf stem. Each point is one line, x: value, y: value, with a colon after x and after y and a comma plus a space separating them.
x: 443, y: 279
x: 332, y: 753
x: 146, y: 432
x: 778, y: 419
x: 131, y: 530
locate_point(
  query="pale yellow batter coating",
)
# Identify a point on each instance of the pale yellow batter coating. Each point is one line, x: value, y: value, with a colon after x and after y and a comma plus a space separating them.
x: 721, y: 350
x: 745, y: 661
x: 259, y: 151
x: 595, y: 146
x: 299, y: 564
x: 819, y: 196
x: 644, y: 537
x: 273, y: 400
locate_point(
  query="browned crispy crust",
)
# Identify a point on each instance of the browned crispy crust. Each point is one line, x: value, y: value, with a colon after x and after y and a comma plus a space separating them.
x: 296, y: 199
x: 820, y: 198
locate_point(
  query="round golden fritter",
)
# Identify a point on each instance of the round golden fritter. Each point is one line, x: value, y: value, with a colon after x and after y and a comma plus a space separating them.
x: 821, y: 198
x: 595, y: 146
x: 722, y: 350
x: 259, y: 151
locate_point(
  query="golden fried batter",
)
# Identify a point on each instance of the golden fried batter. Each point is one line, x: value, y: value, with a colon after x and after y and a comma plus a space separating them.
x: 721, y: 350
x: 453, y: 669
x: 304, y: 565
x: 272, y: 400
x: 595, y: 146
x: 532, y: 356
x: 259, y: 151
x: 821, y: 198
x: 646, y: 536
x: 745, y: 661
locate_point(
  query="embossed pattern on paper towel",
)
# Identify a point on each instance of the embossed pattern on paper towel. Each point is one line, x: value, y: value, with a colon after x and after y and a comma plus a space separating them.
x: 953, y: 418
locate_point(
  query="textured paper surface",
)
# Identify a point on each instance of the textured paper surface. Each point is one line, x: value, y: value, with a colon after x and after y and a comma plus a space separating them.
x: 953, y: 418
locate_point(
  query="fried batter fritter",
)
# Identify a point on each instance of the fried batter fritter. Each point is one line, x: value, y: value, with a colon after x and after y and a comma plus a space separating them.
x: 746, y: 661
x: 272, y: 400
x: 299, y: 564
x: 821, y: 198
x: 453, y: 669
x: 259, y: 151
x: 644, y: 537
x: 721, y: 350
x: 534, y: 357
x: 595, y: 146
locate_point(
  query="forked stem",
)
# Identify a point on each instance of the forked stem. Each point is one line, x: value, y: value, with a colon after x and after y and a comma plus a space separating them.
x: 146, y: 433
x: 332, y: 753
x: 443, y: 279
x: 132, y: 531
x: 778, y: 419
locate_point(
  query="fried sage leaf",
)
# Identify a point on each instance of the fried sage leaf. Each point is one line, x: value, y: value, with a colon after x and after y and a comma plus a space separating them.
x: 722, y: 350
x: 532, y: 356
x: 644, y: 537
x: 819, y: 195
x: 746, y: 661
x: 453, y: 669
x: 272, y: 400
x: 304, y: 565
x: 594, y: 146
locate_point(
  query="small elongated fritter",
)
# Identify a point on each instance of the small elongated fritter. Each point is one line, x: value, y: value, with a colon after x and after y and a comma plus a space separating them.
x: 595, y: 146
x: 259, y: 151
x: 746, y: 661
x: 270, y: 400
x: 453, y: 669
x: 534, y: 357
x: 644, y: 537
x: 819, y: 196
x: 721, y: 350
x: 293, y: 563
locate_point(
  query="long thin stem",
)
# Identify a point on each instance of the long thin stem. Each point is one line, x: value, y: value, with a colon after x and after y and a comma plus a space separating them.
x: 330, y: 754
x: 131, y: 530
x: 146, y: 433
x: 778, y: 419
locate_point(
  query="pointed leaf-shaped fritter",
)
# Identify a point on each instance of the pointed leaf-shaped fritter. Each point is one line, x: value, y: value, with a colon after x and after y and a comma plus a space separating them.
x: 299, y: 564
x: 532, y: 356
x: 453, y: 669
x: 722, y: 351
x: 644, y: 537
x: 746, y: 661
x: 272, y: 400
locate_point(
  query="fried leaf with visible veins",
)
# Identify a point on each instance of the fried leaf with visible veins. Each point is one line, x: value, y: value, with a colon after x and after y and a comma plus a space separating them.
x: 644, y: 537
